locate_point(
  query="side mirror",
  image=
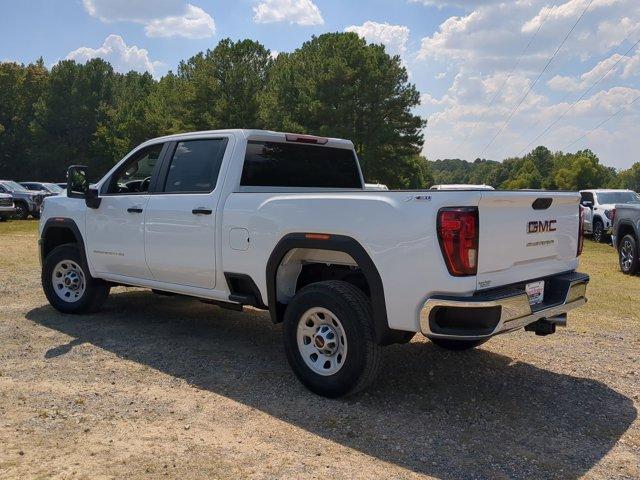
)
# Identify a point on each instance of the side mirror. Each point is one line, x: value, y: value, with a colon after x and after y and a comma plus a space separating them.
x: 77, y: 184
x: 587, y: 204
x: 93, y: 199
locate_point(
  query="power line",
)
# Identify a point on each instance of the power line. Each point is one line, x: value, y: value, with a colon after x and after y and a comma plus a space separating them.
x: 504, y: 83
x: 513, y: 112
x: 602, y: 123
x: 576, y: 101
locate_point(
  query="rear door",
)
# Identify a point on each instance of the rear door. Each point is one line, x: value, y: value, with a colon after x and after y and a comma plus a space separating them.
x: 526, y: 235
x: 181, y: 216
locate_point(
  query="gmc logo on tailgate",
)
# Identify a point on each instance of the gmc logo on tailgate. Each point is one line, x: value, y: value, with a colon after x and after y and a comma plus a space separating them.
x: 541, y: 226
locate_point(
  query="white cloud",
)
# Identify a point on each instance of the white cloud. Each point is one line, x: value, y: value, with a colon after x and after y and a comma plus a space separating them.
x: 616, y: 65
x: 481, y: 49
x: 195, y: 23
x: 123, y: 57
x: 393, y: 37
x: 466, y: 4
x: 300, y: 12
x: 161, y: 18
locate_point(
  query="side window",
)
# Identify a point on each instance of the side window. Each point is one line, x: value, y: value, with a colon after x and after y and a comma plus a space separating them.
x: 587, y: 197
x: 2, y: 189
x: 195, y: 166
x: 135, y: 175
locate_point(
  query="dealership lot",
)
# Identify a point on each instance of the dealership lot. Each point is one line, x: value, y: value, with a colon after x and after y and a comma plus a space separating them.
x: 164, y: 385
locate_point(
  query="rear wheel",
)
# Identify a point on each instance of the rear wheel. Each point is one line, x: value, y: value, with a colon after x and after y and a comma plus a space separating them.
x: 598, y: 231
x: 628, y: 255
x: 329, y: 339
x: 457, y: 345
x: 67, y: 283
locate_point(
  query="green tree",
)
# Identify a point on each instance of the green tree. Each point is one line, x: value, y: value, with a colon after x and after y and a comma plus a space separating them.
x: 223, y: 85
x: 630, y: 178
x: 337, y: 85
x: 67, y: 115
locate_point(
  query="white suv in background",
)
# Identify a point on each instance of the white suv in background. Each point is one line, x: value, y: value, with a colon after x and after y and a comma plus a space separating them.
x: 600, y: 210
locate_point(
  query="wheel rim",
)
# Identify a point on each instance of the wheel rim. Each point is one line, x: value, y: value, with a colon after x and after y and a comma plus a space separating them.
x: 626, y: 255
x: 68, y: 281
x: 597, y: 232
x: 20, y: 210
x: 322, y: 341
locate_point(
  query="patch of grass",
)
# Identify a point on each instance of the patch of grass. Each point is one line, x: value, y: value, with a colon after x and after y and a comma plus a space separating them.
x: 19, y: 227
x: 613, y: 296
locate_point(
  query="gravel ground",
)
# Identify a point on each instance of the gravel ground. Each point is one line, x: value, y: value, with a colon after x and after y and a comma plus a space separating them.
x: 165, y: 386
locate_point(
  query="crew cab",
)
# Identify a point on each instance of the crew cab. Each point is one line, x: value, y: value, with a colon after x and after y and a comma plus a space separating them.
x: 601, y: 204
x: 283, y: 222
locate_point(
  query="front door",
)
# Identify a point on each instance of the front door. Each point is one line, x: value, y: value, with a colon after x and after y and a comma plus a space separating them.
x: 180, y: 217
x: 115, y: 230
x: 587, y: 201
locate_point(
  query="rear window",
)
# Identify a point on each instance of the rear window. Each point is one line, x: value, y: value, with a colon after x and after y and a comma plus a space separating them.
x: 273, y: 164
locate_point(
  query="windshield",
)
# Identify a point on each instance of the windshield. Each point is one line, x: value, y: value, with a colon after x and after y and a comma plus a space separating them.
x: 52, y: 187
x: 618, y: 197
x: 13, y: 186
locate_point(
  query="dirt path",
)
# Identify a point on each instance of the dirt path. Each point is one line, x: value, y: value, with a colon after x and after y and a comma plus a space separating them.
x: 165, y: 386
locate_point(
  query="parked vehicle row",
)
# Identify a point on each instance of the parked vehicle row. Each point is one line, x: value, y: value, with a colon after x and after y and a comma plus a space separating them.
x: 21, y: 200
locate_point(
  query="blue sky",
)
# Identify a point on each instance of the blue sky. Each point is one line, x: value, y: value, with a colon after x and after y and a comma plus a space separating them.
x: 476, y: 63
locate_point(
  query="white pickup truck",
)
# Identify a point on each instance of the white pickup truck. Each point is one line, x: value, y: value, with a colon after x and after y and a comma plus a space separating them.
x: 283, y: 222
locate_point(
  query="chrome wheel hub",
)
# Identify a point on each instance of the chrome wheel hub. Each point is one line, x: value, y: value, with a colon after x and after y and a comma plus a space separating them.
x: 626, y: 254
x: 68, y: 281
x: 322, y: 341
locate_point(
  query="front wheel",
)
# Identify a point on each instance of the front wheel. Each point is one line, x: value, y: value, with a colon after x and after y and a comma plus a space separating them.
x: 457, y: 345
x: 67, y: 283
x: 329, y: 339
x: 628, y: 255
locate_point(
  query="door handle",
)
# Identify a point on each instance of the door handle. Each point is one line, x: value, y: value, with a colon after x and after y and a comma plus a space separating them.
x: 134, y: 210
x: 202, y: 211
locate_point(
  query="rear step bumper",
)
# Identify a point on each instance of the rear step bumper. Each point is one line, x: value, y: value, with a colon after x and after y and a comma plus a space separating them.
x: 501, y: 310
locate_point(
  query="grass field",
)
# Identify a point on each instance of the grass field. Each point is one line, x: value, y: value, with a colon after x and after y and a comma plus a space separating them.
x: 169, y: 387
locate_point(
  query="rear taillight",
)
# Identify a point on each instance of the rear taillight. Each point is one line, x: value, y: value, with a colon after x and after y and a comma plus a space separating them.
x: 458, y: 236
x: 580, y: 229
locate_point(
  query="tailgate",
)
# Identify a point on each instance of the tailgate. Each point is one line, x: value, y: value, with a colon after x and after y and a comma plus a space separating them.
x: 526, y: 235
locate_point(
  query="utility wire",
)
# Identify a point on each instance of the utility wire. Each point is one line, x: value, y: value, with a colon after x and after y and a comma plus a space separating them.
x: 513, y: 112
x: 579, y: 98
x: 602, y: 122
x: 504, y: 83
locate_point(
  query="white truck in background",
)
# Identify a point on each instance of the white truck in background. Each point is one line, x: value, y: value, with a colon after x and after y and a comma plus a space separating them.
x: 283, y: 222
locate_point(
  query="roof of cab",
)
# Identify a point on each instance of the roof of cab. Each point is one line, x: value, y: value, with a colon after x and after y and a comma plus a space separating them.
x: 249, y: 134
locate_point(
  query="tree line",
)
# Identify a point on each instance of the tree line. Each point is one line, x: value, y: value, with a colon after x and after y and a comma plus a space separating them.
x: 332, y: 85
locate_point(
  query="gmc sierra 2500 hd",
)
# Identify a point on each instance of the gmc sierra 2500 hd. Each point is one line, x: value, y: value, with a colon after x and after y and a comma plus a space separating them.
x: 283, y: 222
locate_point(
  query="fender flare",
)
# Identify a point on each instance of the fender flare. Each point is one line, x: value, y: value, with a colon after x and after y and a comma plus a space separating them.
x: 338, y: 243
x: 61, y: 222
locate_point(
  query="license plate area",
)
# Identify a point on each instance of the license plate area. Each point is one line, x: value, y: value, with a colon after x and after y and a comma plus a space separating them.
x: 535, y: 292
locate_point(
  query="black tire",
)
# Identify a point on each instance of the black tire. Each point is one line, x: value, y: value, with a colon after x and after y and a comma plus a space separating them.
x: 3, y: 218
x: 628, y: 255
x: 95, y: 292
x: 35, y: 215
x: 598, y: 231
x: 22, y: 211
x: 353, y: 310
x: 457, y: 345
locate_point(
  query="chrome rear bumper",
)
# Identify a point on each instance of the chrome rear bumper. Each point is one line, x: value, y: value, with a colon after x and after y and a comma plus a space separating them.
x: 508, y: 308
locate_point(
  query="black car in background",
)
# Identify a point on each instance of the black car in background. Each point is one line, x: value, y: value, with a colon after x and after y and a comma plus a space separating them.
x: 626, y: 236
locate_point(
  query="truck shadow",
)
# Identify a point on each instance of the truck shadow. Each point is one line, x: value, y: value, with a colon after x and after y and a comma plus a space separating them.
x: 450, y: 415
